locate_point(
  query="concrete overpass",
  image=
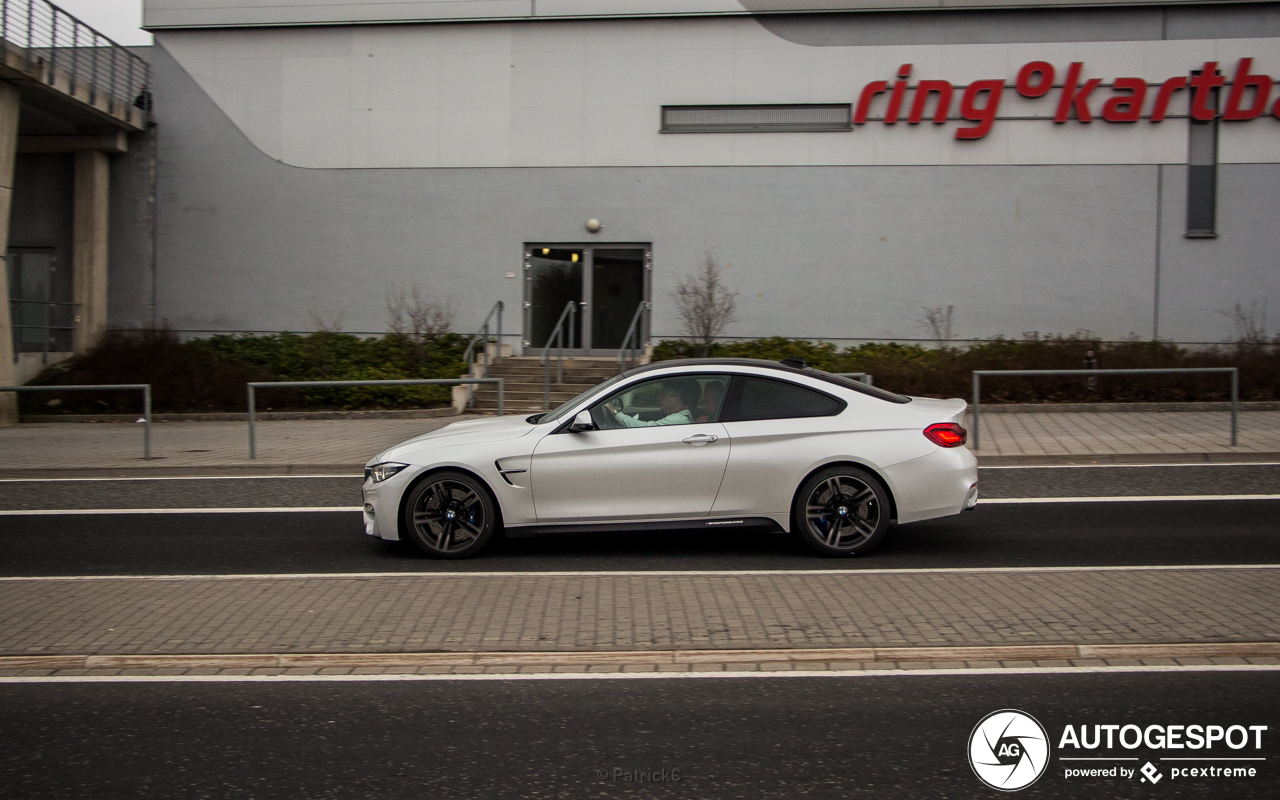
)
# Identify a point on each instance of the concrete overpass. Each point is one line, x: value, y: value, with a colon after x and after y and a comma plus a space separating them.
x: 69, y: 98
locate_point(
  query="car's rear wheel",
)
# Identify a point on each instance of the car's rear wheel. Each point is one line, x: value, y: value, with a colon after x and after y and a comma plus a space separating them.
x: 841, y: 511
x: 450, y: 515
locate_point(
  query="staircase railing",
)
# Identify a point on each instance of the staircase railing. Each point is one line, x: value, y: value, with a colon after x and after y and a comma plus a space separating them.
x: 557, y: 336
x: 635, y: 340
x: 482, y: 336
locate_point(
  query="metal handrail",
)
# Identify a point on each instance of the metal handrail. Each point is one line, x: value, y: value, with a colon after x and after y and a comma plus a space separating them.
x: 1233, y: 371
x: 58, y: 48
x: 557, y: 336
x: 105, y: 387
x: 635, y: 335
x: 253, y: 450
x: 483, y: 334
x: 22, y: 326
x: 860, y: 377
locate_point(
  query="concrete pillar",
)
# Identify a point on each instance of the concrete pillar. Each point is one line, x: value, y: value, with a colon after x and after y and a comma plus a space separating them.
x: 8, y: 151
x: 89, y: 246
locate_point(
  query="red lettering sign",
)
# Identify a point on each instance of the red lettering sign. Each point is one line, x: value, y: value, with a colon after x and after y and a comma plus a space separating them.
x: 1247, y: 98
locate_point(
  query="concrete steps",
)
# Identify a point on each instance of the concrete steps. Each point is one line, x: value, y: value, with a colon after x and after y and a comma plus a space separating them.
x: 523, y: 382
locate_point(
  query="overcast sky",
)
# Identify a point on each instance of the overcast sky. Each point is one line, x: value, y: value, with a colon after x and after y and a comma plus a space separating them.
x: 118, y: 19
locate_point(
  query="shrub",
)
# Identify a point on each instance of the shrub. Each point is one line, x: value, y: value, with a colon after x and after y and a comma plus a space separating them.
x: 210, y: 374
x: 947, y: 372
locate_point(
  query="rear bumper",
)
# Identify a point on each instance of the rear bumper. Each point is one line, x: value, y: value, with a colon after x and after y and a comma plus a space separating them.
x: 937, y: 485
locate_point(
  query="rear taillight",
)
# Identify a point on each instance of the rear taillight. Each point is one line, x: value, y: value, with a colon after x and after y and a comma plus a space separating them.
x: 945, y: 434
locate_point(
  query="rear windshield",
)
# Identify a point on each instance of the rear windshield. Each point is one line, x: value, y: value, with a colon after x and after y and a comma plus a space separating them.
x: 857, y: 386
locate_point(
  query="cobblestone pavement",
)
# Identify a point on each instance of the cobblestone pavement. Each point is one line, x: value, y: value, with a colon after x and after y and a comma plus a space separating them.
x: 349, y: 443
x: 599, y: 612
x: 1126, y: 433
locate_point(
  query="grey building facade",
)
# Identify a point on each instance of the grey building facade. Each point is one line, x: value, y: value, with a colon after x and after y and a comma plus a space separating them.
x: 305, y: 165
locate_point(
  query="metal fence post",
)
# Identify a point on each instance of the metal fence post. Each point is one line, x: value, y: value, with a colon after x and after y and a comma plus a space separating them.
x: 146, y: 416
x: 500, y: 391
x: 977, y: 389
x: 1235, y: 401
x: 499, y: 353
x: 252, y: 444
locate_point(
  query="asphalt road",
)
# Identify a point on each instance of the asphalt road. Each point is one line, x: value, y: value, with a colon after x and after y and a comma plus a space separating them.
x: 1053, y: 534
x: 832, y: 737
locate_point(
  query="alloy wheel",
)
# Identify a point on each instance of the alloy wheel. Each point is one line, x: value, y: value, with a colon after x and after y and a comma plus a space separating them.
x: 842, y: 512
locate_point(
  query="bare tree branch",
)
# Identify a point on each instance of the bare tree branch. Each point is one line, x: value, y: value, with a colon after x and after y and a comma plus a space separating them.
x: 938, y: 322
x: 704, y: 305
x: 1250, y: 326
x: 416, y: 316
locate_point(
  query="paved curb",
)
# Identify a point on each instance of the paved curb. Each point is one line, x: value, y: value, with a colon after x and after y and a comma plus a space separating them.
x: 654, y: 657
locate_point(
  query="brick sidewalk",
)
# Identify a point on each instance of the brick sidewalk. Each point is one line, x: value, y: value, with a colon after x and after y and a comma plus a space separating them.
x: 600, y: 612
x: 349, y: 443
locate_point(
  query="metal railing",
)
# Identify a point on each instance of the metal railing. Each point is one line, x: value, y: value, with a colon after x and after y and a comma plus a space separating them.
x: 635, y: 340
x: 62, y: 51
x: 18, y: 313
x: 106, y: 387
x: 979, y: 374
x: 860, y: 377
x: 557, y: 336
x: 253, y: 448
x: 482, y: 337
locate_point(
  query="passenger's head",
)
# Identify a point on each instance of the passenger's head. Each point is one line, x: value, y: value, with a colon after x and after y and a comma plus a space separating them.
x: 679, y: 394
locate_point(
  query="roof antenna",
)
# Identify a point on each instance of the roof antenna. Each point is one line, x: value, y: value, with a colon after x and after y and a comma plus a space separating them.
x: 793, y: 361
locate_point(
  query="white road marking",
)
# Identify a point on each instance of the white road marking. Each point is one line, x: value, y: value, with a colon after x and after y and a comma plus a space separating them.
x: 181, y: 478
x: 632, y: 676
x: 656, y: 573
x: 1128, y: 498
x: 47, y: 512
x: 1140, y: 466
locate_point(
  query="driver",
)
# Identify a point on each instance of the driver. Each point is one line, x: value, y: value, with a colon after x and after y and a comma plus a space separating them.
x: 678, y: 397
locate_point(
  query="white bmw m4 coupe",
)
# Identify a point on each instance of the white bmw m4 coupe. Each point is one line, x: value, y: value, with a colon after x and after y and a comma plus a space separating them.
x: 682, y: 445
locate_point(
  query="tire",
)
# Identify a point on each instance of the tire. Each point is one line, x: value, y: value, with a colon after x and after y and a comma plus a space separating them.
x: 841, y: 511
x: 450, y: 515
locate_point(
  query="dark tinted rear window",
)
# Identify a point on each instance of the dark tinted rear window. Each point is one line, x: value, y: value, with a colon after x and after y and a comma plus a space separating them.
x: 764, y: 398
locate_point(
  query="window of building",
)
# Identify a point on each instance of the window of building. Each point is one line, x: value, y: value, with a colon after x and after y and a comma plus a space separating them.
x: 757, y: 118
x: 765, y: 398
x: 1202, y: 176
x: 42, y: 316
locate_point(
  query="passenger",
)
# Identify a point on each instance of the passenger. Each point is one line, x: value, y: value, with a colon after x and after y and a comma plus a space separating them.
x: 710, y: 400
x: 677, y: 398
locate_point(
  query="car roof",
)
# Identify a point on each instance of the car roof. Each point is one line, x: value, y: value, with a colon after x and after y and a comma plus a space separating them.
x: 808, y: 372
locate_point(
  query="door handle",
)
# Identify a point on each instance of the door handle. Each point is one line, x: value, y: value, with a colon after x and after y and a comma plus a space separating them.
x: 700, y: 438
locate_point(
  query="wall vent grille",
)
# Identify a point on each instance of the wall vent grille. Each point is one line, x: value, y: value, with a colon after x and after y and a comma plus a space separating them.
x: 757, y: 118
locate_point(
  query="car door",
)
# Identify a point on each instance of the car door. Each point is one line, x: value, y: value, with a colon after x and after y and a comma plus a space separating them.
x: 778, y: 428
x: 636, y: 468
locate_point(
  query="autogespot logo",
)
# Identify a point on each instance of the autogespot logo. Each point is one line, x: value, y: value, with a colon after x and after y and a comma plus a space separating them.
x: 1008, y: 750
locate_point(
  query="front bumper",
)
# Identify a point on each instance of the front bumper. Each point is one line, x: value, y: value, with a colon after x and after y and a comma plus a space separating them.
x: 382, y: 503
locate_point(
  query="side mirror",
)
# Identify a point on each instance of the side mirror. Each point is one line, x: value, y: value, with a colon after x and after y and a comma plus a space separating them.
x: 582, y: 422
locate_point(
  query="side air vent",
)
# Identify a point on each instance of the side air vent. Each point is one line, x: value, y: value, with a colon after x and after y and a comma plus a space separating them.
x: 756, y: 119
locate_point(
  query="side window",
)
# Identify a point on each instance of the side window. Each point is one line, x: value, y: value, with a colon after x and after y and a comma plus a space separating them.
x: 765, y: 398
x: 673, y: 400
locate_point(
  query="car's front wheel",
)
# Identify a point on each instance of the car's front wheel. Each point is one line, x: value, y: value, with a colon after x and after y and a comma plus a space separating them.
x: 450, y: 515
x: 841, y: 511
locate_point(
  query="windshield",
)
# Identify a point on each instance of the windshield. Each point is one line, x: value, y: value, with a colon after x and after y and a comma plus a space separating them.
x: 561, y: 410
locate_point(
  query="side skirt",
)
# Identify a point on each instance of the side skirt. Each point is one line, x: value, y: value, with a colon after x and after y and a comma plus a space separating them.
x: 725, y: 523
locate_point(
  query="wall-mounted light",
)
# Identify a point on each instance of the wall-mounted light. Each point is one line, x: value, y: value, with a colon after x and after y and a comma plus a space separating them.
x: 594, y: 225
x: 546, y: 250
x: 573, y: 257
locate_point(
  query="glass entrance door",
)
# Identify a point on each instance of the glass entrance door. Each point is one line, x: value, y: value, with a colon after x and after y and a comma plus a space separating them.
x: 607, y: 283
